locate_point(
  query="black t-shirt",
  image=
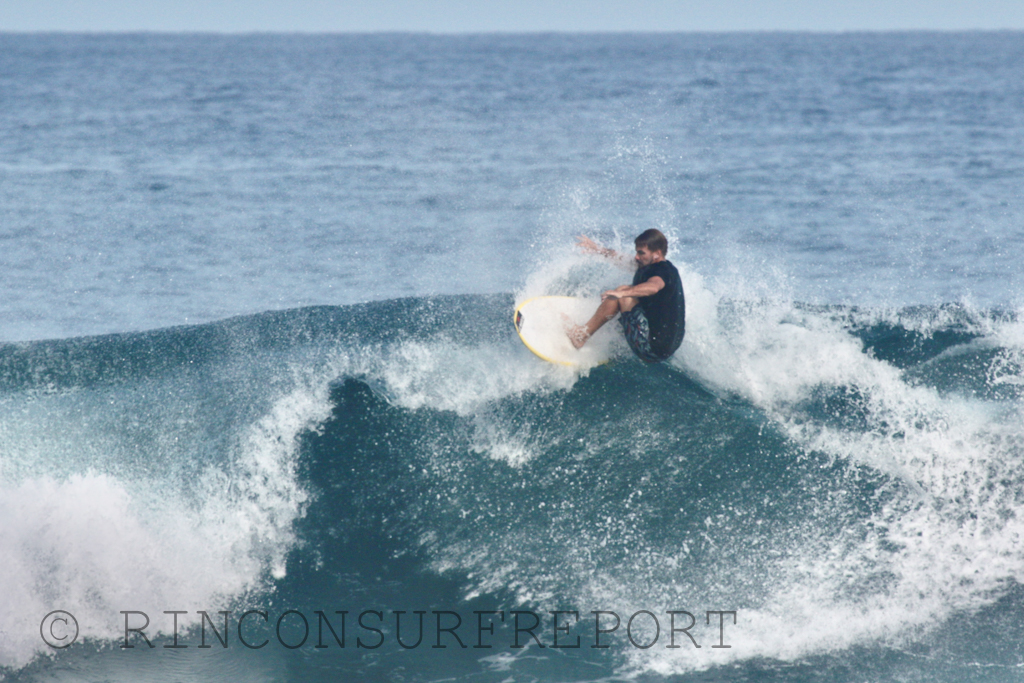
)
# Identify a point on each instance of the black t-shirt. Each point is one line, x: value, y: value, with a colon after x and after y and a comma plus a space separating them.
x: 665, y: 310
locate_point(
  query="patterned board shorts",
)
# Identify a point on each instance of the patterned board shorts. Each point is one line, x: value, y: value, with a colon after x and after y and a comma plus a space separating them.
x: 638, y: 334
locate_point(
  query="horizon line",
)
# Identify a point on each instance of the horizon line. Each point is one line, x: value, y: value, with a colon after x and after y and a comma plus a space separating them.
x: 510, y: 32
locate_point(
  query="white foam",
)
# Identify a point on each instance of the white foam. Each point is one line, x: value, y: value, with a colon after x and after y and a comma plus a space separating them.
x: 448, y: 375
x: 118, y: 523
x: 952, y: 539
x: 93, y: 546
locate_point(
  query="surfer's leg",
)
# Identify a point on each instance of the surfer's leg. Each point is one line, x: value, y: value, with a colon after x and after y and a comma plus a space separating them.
x: 609, y: 308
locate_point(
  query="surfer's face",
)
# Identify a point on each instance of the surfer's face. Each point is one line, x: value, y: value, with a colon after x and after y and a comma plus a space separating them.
x: 645, y: 257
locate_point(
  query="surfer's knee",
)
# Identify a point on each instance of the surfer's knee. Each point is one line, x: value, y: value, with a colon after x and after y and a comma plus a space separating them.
x: 627, y: 303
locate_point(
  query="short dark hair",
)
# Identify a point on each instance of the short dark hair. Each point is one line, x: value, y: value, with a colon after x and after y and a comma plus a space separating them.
x: 653, y: 240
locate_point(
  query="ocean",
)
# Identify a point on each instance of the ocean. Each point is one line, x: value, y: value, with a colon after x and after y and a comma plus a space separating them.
x: 264, y: 414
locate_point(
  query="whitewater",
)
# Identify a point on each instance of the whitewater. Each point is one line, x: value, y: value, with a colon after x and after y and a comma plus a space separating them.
x: 258, y: 370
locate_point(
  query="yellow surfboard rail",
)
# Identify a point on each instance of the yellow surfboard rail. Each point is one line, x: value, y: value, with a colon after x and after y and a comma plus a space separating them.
x: 589, y: 356
x: 517, y: 321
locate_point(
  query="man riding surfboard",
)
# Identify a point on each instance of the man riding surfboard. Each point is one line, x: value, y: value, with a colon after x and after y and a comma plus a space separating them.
x: 652, y: 308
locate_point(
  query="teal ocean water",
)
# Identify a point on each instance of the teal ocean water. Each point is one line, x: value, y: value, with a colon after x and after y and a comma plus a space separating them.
x: 264, y: 413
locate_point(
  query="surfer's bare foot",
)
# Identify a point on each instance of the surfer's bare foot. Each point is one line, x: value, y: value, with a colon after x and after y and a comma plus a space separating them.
x: 577, y: 333
x: 578, y: 336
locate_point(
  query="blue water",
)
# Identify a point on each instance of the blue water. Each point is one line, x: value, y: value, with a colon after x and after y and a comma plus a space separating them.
x: 257, y: 355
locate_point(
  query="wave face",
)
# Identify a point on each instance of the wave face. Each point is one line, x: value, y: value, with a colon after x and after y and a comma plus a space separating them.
x: 846, y: 481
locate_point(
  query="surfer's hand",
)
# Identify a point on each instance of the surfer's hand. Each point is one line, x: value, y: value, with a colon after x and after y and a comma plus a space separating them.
x: 590, y: 246
x: 616, y: 293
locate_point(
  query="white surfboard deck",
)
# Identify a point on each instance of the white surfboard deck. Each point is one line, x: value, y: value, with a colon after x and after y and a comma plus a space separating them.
x: 541, y: 323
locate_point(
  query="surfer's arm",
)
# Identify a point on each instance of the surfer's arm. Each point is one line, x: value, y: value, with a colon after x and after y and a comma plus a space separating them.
x: 647, y: 288
x: 591, y: 247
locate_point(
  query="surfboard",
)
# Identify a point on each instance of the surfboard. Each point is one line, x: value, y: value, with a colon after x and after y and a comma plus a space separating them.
x: 541, y: 324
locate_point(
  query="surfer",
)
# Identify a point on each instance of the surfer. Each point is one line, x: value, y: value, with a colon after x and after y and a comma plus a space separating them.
x: 652, y: 309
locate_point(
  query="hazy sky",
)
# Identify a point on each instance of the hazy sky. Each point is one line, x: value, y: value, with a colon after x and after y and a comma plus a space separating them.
x: 456, y: 16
